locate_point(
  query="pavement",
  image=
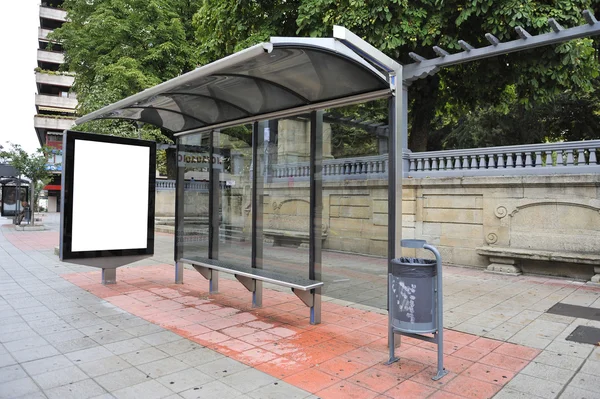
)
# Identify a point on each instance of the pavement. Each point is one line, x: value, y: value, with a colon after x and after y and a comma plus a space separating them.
x: 63, y: 334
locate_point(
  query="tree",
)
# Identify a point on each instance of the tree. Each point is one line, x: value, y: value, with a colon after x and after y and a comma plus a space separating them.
x: 120, y: 47
x: 33, y: 166
x: 401, y: 26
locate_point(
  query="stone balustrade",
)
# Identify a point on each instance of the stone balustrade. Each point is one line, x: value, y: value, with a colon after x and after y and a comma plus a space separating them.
x: 201, y: 186
x: 345, y: 168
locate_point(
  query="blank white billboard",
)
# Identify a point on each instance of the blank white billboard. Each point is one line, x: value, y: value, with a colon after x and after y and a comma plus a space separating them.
x: 110, y: 196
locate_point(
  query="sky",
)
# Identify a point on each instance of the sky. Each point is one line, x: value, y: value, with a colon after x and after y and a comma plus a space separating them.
x: 20, y: 21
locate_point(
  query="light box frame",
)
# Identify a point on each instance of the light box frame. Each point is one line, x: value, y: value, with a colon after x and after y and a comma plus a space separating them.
x: 66, y: 225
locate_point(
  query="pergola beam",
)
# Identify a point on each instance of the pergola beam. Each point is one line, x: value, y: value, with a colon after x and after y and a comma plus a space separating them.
x: 423, y: 68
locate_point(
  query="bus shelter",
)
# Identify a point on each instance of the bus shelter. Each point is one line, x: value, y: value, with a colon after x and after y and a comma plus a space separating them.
x: 282, y: 78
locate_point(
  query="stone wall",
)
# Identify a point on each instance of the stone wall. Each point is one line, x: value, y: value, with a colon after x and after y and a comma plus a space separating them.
x: 553, y: 213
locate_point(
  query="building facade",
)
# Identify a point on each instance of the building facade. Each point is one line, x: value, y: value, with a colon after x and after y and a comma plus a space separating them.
x: 54, y: 101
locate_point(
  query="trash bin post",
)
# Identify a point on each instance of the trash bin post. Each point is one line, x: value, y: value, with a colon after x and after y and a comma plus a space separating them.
x: 413, y: 312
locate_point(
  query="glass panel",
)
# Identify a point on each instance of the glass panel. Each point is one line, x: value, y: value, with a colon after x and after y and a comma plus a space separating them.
x: 355, y: 201
x: 193, y: 154
x: 286, y: 203
x: 233, y: 162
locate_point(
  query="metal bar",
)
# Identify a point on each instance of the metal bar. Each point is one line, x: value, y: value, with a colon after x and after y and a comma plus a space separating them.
x: 109, y: 276
x: 366, y: 50
x: 421, y: 69
x: 206, y: 70
x: 211, y: 275
x: 441, y: 371
x: 258, y: 143
x: 167, y: 110
x: 316, y: 209
x: 179, y: 219
x: 213, y: 199
x: 359, y: 98
x: 391, y: 333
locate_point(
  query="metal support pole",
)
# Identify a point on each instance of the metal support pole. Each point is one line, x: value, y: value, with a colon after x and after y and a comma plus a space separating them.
x: 109, y: 276
x: 214, y: 195
x: 391, y: 333
x: 316, y: 210
x: 439, y: 336
x: 179, y: 218
x: 258, y: 160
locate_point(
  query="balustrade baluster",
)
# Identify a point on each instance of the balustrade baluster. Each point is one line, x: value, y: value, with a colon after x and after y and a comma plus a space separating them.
x: 519, y: 163
x: 592, y: 157
x: 538, y: 159
x: 420, y: 165
x: 509, y: 160
x: 434, y: 164
x: 442, y: 163
x: 482, y: 163
x: 570, y: 159
x: 412, y: 165
x: 549, y: 158
x: 449, y: 163
x: 491, y: 164
x: 427, y: 164
x: 473, y: 161
x: 580, y: 157
x: 465, y: 162
x: 386, y: 166
x: 528, y: 160
x: 457, y: 162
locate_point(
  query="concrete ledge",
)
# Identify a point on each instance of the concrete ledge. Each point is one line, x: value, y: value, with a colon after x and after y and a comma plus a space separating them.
x: 26, y: 227
x: 532, y: 254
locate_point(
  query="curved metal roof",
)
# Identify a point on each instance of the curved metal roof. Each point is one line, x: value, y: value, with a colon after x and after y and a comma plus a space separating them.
x: 284, y: 76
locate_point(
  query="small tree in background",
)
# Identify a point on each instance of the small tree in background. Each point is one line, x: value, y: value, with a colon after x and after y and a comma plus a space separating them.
x: 33, y: 166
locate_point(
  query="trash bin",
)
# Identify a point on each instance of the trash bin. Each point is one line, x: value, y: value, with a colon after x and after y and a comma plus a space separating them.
x: 413, y: 290
x: 415, y: 301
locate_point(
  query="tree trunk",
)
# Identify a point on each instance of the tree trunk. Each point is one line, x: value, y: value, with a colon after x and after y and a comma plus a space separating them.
x: 171, y: 163
x: 424, y: 93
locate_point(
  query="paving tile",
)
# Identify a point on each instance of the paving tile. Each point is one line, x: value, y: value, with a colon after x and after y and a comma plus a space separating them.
x: 342, y: 367
x: 279, y: 390
x: 142, y: 356
x: 410, y: 389
x: 146, y: 390
x: 27, y: 343
x: 471, y: 387
x: 199, y: 356
x: 591, y: 367
x: 103, y: 366
x: 39, y: 352
x: 178, y: 346
x: 517, y: 351
x: 222, y: 367
x: 10, y: 373
x: 78, y: 390
x: 560, y: 360
x: 88, y: 355
x: 572, y: 392
x: 159, y: 368
x: 212, y: 390
x: 570, y: 348
x: 588, y: 382
x: 535, y: 386
x: 547, y: 372
x: 375, y: 380
x: 18, y: 387
x: 504, y: 362
x: 160, y: 338
x: 47, y: 364
x: 126, y: 346
x: 312, y: 380
x: 509, y: 393
x: 184, y: 380
x: 121, y: 379
x: 491, y: 374
x: 6, y: 360
x: 248, y: 380
x: 56, y: 378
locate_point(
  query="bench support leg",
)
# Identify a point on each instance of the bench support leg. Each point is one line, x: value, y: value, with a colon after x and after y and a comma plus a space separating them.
x: 212, y: 276
x: 178, y: 273
x: 596, y: 277
x: 109, y: 276
x: 312, y: 299
x: 255, y: 287
x: 504, y: 266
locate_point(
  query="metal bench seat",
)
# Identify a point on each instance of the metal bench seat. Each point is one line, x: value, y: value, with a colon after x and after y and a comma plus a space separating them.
x: 252, y: 279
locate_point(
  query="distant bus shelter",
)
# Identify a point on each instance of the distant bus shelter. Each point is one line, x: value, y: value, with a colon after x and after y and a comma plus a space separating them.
x: 283, y: 78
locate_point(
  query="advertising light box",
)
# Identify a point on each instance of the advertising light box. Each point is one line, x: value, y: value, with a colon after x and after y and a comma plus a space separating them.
x: 107, y: 206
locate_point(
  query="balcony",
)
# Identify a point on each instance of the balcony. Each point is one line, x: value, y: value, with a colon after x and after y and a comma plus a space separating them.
x: 66, y: 103
x: 50, y: 57
x: 43, y: 123
x: 54, y: 80
x: 43, y: 34
x: 53, y: 13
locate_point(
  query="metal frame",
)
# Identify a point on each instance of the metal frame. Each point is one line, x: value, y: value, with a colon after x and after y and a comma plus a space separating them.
x: 258, y: 142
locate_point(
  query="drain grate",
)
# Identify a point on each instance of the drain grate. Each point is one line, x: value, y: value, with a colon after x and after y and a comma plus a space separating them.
x: 585, y: 335
x: 582, y: 312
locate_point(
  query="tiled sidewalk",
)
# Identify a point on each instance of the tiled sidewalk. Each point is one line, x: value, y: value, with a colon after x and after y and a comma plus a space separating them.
x: 341, y: 358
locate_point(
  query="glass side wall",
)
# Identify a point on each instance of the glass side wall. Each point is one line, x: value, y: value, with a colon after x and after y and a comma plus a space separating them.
x: 284, y: 175
x: 193, y: 154
x: 233, y: 163
x: 355, y: 203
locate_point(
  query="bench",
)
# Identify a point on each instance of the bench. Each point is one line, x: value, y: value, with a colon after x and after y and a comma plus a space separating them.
x: 507, y: 260
x: 252, y: 278
x: 287, y: 237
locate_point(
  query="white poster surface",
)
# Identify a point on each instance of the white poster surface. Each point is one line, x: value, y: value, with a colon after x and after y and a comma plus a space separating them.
x: 110, y: 196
